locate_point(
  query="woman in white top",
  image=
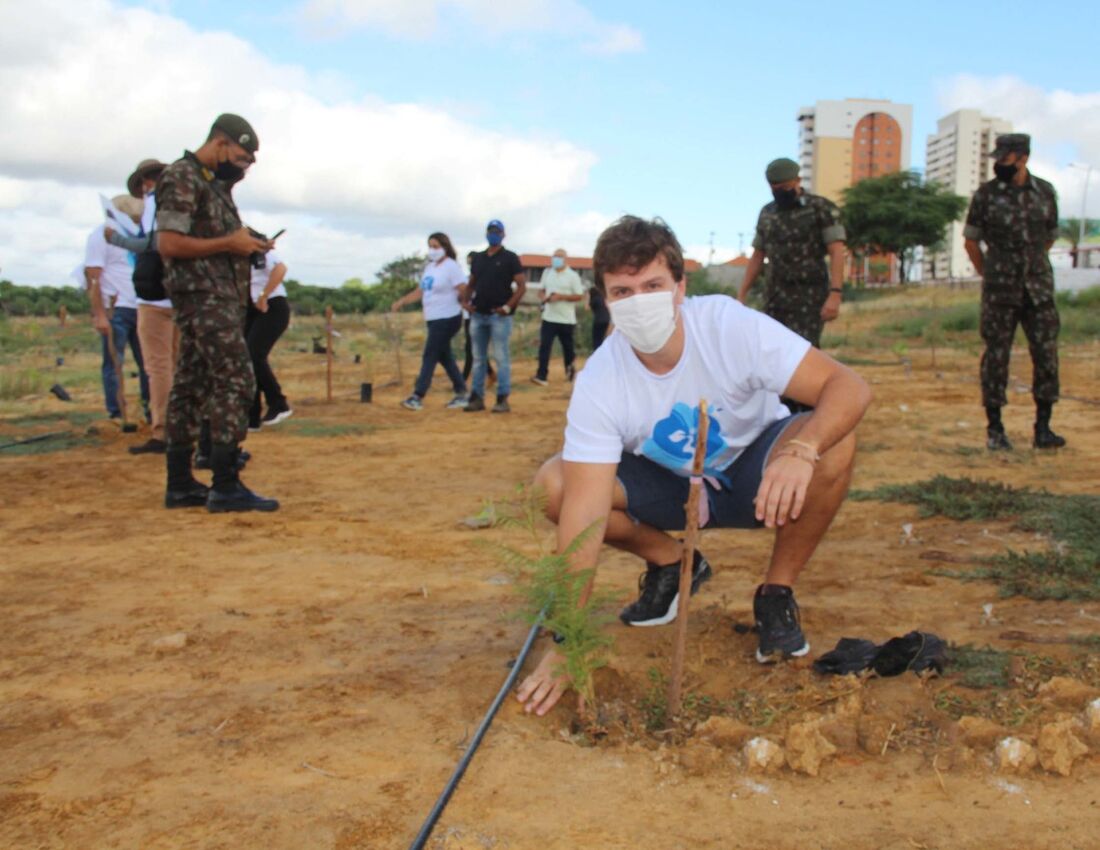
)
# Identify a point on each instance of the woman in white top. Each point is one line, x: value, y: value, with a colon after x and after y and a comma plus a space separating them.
x: 441, y: 286
x: 268, y: 318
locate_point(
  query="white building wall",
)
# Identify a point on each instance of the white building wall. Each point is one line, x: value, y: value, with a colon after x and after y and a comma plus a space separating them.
x: 957, y: 156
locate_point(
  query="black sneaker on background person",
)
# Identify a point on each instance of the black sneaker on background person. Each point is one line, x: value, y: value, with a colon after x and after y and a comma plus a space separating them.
x: 997, y: 441
x: 474, y: 403
x: 659, y: 600
x: 502, y: 405
x: 152, y: 446
x: 778, y: 624
x: 277, y: 414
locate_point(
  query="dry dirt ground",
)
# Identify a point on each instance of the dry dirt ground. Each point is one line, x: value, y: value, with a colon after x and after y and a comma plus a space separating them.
x: 307, y: 679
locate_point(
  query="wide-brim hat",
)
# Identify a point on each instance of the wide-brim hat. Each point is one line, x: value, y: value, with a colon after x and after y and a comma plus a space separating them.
x: 145, y: 168
x: 129, y: 205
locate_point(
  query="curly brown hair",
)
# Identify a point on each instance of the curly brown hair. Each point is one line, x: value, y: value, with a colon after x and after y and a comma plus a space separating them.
x: 631, y: 243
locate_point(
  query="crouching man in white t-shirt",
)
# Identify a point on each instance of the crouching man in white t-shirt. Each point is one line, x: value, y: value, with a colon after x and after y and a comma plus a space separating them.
x: 630, y: 439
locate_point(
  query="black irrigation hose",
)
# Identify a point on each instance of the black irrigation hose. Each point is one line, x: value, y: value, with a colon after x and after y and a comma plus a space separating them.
x: 37, y: 439
x: 456, y: 777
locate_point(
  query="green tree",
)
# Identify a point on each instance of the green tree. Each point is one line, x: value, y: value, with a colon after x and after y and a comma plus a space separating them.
x: 897, y: 213
x: 403, y: 268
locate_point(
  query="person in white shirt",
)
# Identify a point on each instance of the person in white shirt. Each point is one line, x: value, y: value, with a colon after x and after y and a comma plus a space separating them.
x: 108, y: 272
x: 156, y: 327
x: 268, y: 318
x: 630, y: 435
x: 442, y: 284
x: 561, y: 290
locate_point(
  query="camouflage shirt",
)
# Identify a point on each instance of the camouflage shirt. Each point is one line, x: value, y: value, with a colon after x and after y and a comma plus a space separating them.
x: 795, y: 240
x: 190, y: 201
x: 1016, y: 223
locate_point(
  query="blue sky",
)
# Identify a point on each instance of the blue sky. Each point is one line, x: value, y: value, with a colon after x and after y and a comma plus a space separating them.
x: 643, y: 110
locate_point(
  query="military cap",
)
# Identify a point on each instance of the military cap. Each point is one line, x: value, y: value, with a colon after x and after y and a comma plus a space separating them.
x: 1012, y: 143
x: 239, y: 130
x: 145, y: 168
x: 781, y: 170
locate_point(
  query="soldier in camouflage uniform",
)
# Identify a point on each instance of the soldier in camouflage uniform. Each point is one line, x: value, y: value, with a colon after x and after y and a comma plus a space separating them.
x: 206, y: 273
x: 795, y: 232
x: 1016, y: 215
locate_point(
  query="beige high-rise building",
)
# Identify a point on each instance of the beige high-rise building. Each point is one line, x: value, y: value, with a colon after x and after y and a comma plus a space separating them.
x: 957, y: 156
x: 844, y: 141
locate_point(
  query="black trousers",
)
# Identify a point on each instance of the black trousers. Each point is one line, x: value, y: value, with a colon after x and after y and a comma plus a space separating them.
x: 437, y: 349
x: 262, y: 331
x: 548, y: 332
x: 599, y: 331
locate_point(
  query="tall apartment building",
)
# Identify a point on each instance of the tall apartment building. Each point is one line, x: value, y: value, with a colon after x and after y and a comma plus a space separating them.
x: 957, y: 156
x: 844, y: 141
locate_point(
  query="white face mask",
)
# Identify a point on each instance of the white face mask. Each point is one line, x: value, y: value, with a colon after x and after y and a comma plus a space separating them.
x: 647, y: 321
x: 435, y: 254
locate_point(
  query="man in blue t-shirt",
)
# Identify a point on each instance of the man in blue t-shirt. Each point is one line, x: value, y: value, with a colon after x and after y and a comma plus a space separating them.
x: 496, y: 285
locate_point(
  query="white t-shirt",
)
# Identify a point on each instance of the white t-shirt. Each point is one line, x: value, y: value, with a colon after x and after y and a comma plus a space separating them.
x: 565, y: 282
x: 440, y: 283
x: 117, y: 277
x: 148, y: 218
x: 737, y: 359
x: 260, y: 278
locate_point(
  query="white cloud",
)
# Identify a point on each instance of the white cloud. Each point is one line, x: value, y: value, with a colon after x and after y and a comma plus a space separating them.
x: 1064, y: 128
x: 423, y: 19
x: 354, y: 181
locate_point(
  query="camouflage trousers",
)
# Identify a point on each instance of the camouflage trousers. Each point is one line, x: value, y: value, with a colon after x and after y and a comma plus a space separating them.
x: 998, y: 327
x: 798, y: 308
x: 214, y: 377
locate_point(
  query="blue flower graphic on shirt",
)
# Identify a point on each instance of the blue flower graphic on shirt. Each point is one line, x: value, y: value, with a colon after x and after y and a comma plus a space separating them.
x: 672, y: 443
x: 426, y: 282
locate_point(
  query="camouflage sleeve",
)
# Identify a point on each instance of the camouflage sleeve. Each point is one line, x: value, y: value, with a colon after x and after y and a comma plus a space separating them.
x: 176, y: 199
x: 758, y: 238
x: 1052, y: 218
x: 831, y: 228
x: 975, y: 218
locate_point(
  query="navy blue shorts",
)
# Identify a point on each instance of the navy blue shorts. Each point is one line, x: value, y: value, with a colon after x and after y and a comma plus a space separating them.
x: 656, y: 496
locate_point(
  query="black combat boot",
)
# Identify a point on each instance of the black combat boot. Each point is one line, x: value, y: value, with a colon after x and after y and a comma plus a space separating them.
x: 995, y: 438
x: 183, y: 490
x: 1044, y: 437
x: 202, y: 455
x: 228, y: 493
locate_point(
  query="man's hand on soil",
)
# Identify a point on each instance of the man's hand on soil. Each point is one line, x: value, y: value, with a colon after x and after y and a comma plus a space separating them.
x: 541, y: 691
x: 783, y: 490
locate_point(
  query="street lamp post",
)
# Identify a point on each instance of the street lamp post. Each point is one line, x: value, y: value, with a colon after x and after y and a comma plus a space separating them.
x: 1084, y: 207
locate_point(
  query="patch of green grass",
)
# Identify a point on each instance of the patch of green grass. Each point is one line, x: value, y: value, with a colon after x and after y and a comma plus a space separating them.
x: 1069, y: 569
x: 312, y: 428
x: 979, y: 667
x: 23, y: 382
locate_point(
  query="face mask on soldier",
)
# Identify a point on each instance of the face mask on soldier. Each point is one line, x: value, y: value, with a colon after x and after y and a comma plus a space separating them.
x: 785, y: 199
x: 1005, y: 172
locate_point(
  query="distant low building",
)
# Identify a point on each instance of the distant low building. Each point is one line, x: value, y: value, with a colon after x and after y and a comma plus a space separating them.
x: 729, y: 274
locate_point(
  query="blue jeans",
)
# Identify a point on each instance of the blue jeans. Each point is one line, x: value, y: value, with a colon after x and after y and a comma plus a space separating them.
x: 499, y: 328
x: 124, y: 332
x: 437, y: 349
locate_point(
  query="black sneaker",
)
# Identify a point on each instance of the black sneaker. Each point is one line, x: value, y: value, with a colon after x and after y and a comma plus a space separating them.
x: 474, y: 403
x: 150, y: 446
x: 997, y: 441
x: 570, y: 373
x: 660, y: 592
x: 275, y: 415
x: 777, y: 624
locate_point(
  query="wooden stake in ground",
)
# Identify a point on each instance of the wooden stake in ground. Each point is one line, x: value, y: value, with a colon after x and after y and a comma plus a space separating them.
x: 328, y: 352
x: 687, y: 559
x: 62, y: 314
